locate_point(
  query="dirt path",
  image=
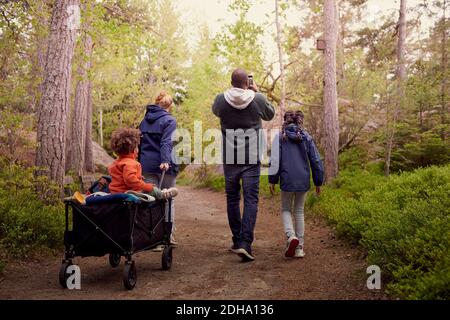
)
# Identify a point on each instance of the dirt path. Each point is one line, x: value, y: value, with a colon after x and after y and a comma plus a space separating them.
x: 204, y: 269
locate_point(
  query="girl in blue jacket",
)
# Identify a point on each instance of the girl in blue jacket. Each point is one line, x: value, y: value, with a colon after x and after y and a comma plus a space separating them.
x: 294, y: 156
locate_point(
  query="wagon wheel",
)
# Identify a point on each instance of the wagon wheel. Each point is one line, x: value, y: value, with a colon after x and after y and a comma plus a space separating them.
x: 114, y: 259
x: 167, y: 258
x: 129, y: 275
x: 63, y: 276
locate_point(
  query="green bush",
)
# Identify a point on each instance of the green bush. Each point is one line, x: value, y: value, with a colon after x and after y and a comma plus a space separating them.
x: 26, y: 221
x: 403, y: 222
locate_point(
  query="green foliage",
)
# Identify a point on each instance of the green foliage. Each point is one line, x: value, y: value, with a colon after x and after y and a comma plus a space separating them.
x: 26, y: 221
x: 402, y: 221
x: 239, y: 43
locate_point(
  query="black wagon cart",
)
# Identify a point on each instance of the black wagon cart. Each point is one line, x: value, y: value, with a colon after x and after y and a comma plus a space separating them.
x: 120, y: 228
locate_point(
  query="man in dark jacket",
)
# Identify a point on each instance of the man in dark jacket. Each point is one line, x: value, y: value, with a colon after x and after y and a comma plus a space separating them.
x: 241, y: 110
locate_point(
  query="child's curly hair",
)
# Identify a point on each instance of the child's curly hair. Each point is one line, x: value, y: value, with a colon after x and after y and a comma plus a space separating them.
x: 125, y: 140
x: 292, y: 117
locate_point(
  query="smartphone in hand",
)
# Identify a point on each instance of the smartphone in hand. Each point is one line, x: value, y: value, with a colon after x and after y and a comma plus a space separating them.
x: 250, y: 80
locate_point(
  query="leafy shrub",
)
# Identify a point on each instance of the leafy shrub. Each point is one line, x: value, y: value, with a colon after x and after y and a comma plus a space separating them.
x: 402, y: 221
x: 26, y: 221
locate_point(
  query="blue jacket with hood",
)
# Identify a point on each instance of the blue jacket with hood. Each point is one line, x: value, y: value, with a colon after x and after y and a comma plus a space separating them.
x: 297, y: 157
x: 156, y: 145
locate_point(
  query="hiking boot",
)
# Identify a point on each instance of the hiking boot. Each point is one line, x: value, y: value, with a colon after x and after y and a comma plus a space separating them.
x: 292, y: 244
x: 246, y: 255
x: 299, y: 253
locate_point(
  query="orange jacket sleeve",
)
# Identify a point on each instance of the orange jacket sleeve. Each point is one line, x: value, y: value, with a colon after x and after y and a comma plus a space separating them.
x: 133, y: 178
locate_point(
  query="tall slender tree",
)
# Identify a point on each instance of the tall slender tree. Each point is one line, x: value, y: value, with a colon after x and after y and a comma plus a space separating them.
x: 401, y: 77
x: 54, y: 104
x: 331, y: 115
x: 279, y: 40
x: 444, y: 68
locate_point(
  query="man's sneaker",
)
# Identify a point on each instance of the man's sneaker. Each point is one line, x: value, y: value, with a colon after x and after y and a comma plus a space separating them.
x: 234, y: 248
x: 245, y: 255
x: 299, y: 253
x: 291, y: 246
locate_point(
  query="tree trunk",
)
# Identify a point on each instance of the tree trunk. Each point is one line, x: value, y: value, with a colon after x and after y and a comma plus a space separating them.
x: 444, y: 71
x: 282, y: 103
x: 331, y: 116
x: 55, y: 99
x: 100, y: 125
x: 40, y: 37
x: 77, y: 148
x: 401, y: 77
x: 89, y: 153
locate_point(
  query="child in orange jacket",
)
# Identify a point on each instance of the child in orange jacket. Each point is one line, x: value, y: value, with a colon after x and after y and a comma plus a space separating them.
x: 125, y: 171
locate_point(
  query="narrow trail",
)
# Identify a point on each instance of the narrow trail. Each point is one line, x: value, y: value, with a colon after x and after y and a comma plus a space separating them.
x: 204, y: 269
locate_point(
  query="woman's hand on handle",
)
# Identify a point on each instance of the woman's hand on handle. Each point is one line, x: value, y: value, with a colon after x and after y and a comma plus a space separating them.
x: 164, y: 166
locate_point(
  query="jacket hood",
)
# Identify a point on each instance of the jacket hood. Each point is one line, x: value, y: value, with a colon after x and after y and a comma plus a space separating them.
x: 294, y: 132
x: 154, y: 113
x: 239, y: 98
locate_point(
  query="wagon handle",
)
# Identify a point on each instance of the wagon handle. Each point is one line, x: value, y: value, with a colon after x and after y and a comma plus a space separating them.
x: 162, y: 179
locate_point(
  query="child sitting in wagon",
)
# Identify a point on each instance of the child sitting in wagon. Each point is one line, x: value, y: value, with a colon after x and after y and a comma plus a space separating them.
x: 126, y: 171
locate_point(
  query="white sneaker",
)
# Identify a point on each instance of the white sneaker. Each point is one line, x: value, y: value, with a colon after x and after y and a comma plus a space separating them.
x: 159, y: 248
x: 173, y: 242
x: 299, y: 253
x: 292, y: 243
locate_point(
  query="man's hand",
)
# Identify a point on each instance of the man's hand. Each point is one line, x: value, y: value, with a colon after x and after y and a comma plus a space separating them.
x: 254, y: 87
x: 272, y: 189
x: 164, y: 166
x: 318, y: 191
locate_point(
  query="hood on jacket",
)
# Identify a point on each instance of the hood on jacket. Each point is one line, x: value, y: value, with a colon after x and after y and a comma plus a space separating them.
x: 294, y: 132
x: 239, y: 98
x: 155, y: 112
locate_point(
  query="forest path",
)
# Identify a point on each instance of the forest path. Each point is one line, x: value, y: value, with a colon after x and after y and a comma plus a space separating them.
x: 204, y: 269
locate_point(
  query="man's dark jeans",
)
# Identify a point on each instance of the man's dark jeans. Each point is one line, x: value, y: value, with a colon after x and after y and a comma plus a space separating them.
x: 242, y: 228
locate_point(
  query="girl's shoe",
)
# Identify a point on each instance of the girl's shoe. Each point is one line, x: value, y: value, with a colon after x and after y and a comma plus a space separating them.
x: 299, y: 253
x: 291, y: 246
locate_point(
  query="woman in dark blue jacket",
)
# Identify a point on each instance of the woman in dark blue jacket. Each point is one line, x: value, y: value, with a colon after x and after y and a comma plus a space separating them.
x: 294, y: 156
x: 155, y: 152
